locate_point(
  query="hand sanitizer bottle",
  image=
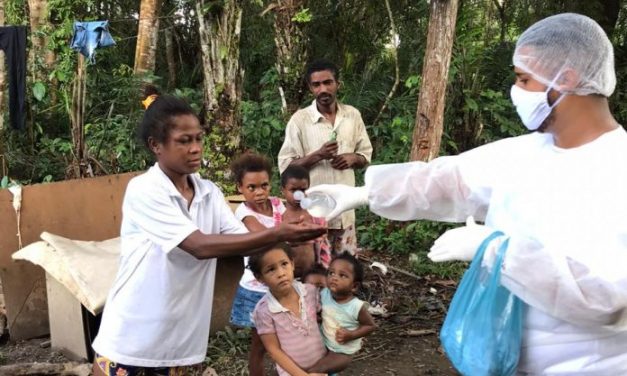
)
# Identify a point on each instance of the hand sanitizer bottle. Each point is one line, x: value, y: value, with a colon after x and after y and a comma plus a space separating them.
x: 317, y: 204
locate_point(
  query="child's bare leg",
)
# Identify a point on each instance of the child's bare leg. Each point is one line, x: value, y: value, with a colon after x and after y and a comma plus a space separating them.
x: 255, y: 356
x: 331, y: 363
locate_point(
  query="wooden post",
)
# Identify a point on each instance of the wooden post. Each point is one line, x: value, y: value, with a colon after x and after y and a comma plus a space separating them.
x: 430, y: 114
x: 79, y: 167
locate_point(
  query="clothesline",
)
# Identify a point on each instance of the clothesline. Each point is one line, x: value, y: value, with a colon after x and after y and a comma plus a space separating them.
x: 139, y: 19
x: 135, y: 36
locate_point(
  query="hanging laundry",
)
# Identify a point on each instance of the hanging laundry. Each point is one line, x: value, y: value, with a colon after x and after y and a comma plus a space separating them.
x: 91, y: 35
x: 13, y: 43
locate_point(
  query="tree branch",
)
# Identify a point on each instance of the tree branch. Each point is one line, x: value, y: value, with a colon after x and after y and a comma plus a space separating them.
x: 396, y: 68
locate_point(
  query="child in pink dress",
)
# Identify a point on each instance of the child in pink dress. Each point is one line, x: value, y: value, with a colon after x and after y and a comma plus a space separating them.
x: 286, y: 317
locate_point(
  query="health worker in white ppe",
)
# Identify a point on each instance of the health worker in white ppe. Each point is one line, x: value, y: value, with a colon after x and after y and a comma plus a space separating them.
x: 559, y: 194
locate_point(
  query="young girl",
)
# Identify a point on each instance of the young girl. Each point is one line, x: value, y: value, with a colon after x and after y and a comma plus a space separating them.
x: 286, y: 316
x: 174, y: 226
x: 251, y: 173
x: 345, y: 318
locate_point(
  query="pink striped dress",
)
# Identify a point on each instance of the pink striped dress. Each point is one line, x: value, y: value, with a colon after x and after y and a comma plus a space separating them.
x: 299, y: 337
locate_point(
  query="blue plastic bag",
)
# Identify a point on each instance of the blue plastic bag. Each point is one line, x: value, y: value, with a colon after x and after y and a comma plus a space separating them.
x: 483, y: 327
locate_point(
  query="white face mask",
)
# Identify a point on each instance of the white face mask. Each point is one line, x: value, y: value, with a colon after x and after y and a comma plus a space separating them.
x: 532, y: 106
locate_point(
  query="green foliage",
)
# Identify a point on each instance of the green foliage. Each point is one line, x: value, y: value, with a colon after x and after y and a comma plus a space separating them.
x: 303, y: 16
x: 398, y: 237
x: 497, y: 111
x: 263, y: 124
x: 256, y: 49
x: 422, y: 265
x: 15, y: 12
x: 112, y: 117
x: 30, y: 163
x: 213, y: 7
x: 410, y: 240
x: 478, y: 107
x: 39, y: 91
x: 217, y: 169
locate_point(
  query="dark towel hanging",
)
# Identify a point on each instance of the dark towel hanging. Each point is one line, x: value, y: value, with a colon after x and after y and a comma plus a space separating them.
x: 13, y: 43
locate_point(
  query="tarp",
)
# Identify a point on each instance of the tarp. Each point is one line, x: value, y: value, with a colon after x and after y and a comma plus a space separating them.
x: 86, y: 268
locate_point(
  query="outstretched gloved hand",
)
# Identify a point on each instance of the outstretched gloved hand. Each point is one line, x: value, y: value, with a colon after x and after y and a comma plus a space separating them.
x: 345, y: 196
x: 460, y: 243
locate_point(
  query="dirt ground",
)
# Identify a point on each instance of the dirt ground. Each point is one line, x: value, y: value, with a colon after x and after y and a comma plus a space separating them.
x: 405, y: 343
x: 34, y: 350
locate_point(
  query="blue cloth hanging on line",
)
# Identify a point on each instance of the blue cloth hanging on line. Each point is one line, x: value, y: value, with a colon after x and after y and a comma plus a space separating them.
x: 91, y: 35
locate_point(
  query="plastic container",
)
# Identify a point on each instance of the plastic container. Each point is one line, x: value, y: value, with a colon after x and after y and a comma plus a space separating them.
x: 317, y: 204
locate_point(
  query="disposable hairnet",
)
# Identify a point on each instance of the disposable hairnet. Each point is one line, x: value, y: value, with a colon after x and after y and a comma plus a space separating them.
x: 568, y: 41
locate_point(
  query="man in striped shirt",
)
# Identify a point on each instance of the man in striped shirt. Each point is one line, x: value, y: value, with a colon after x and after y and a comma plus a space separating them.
x: 330, y: 140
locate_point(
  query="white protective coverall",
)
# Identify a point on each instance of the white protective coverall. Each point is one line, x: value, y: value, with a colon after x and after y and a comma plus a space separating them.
x: 566, y: 213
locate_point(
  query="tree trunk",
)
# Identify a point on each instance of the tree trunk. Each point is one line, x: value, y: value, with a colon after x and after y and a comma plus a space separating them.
x: 4, y: 108
x: 397, y: 78
x: 291, y: 52
x: 39, y: 54
x: 430, y: 114
x: 3, y: 78
x: 147, y: 36
x: 501, y: 7
x: 170, y: 57
x: 219, y: 30
x: 38, y: 14
x: 79, y: 166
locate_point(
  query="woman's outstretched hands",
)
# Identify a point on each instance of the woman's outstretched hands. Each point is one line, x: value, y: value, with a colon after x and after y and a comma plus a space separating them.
x: 300, y: 231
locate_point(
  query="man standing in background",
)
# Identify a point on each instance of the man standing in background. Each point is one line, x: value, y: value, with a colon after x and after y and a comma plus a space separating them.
x: 330, y: 140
